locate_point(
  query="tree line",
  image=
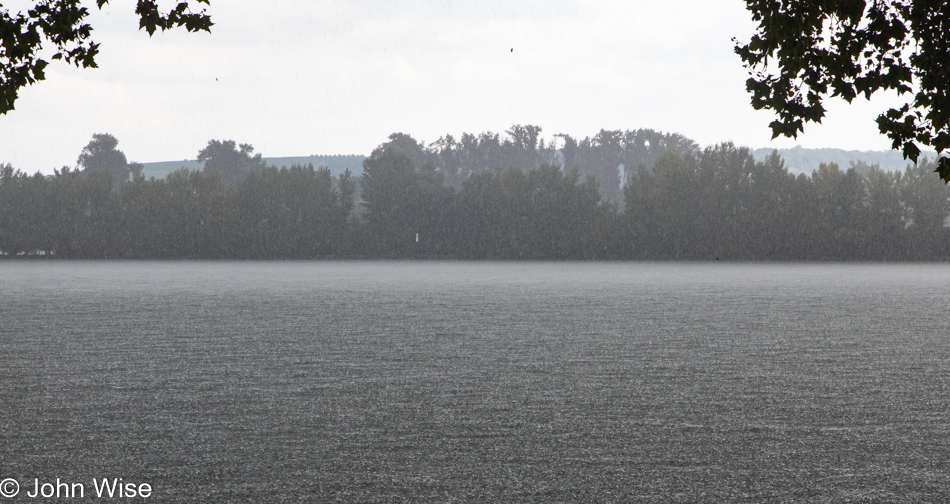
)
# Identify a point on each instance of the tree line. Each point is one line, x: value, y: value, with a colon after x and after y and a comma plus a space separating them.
x: 617, y: 195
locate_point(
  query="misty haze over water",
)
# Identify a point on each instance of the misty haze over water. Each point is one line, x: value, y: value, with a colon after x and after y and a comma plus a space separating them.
x: 528, y: 382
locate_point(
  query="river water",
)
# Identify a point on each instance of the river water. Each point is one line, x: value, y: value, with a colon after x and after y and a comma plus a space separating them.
x: 477, y: 382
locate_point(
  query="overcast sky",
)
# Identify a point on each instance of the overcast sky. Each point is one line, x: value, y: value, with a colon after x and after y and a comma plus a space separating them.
x: 302, y: 77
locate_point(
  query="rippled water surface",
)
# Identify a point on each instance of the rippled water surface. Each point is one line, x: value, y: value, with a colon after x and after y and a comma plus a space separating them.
x: 479, y: 382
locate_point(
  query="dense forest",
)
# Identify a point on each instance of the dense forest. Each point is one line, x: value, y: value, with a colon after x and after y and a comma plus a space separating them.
x: 617, y: 195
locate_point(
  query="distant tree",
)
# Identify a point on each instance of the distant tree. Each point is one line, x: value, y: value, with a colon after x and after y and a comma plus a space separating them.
x: 717, y: 203
x: 843, y: 214
x: 144, y: 217
x: 541, y: 214
x: 469, y: 156
x: 23, y: 209
x: 449, y: 154
x: 665, y: 209
x: 71, y: 210
x: 346, y: 193
x: 232, y: 162
x: 403, y: 198
x: 457, y: 160
x: 286, y: 213
x: 522, y: 147
x: 643, y: 147
x: 61, y: 24
x: 487, y: 152
x: 101, y: 156
x: 494, y: 216
x: 613, y: 157
x: 849, y: 48
x: 926, y: 207
x: 885, y: 211
x: 605, y: 158
x: 567, y: 218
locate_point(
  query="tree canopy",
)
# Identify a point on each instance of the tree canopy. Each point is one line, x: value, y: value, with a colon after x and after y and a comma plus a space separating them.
x: 821, y: 49
x: 686, y: 203
x: 61, y: 24
x: 101, y: 155
x: 231, y: 161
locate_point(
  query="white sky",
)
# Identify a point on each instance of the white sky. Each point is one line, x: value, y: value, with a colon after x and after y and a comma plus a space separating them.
x: 302, y: 77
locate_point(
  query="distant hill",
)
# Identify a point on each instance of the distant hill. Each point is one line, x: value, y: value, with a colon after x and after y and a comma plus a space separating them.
x: 801, y: 160
x: 336, y: 164
x: 797, y: 159
x: 161, y: 169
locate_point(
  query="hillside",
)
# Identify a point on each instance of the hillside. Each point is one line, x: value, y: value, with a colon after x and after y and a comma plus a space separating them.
x: 797, y: 159
x: 801, y: 160
x: 337, y: 164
